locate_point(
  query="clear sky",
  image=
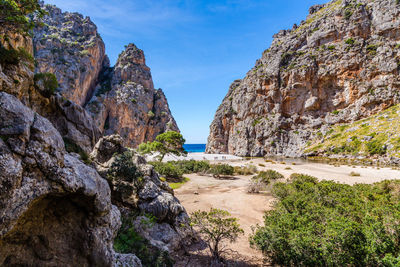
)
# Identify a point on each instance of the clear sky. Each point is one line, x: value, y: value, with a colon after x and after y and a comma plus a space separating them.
x: 195, y: 48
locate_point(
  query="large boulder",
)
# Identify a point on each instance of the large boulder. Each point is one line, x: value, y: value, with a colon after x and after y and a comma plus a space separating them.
x: 170, y: 230
x: 54, y: 209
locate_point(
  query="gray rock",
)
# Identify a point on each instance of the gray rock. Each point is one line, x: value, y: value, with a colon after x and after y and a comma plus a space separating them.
x: 332, y: 68
x: 46, y: 193
x: 126, y: 260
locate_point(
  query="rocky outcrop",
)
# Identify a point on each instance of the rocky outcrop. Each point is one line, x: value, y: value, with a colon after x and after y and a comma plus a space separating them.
x: 121, y: 99
x: 126, y: 102
x: 54, y: 209
x: 17, y: 78
x: 340, y: 65
x: 68, y: 45
x: 151, y: 198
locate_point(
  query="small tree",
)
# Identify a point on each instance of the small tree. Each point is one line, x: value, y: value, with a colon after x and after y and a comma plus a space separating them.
x: 167, y: 143
x: 216, y: 227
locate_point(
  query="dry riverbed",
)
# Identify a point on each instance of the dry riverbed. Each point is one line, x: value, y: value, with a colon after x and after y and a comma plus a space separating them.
x: 204, y: 192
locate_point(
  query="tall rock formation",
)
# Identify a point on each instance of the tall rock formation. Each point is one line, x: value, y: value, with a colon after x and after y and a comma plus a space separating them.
x: 126, y: 102
x: 58, y: 205
x: 340, y: 65
x: 121, y: 99
x: 68, y: 45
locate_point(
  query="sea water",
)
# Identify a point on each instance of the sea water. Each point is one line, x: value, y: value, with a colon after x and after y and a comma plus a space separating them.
x: 194, y: 148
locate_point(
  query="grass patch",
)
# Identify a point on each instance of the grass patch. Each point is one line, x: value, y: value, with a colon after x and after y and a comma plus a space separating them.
x: 179, y: 185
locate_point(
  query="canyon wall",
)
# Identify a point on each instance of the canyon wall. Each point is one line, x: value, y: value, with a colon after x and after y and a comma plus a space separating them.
x: 120, y: 99
x: 339, y: 65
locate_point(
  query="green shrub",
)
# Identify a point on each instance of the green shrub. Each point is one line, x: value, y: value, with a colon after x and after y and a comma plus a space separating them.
x: 124, y: 176
x: 129, y: 241
x: 267, y: 176
x: 221, y: 170
x: 46, y: 82
x: 168, y: 170
x: 350, y: 41
x: 331, y: 47
x: 371, y: 49
x: 347, y: 14
x: 376, y: 147
x: 192, y: 166
x: 151, y: 114
x: 14, y: 56
x: 331, y: 224
x: 175, y: 169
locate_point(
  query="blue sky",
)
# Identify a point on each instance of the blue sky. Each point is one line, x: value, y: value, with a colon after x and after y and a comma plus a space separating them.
x: 194, y: 48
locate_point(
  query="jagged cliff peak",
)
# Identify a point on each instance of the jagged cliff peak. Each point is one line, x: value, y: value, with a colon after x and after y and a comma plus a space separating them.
x: 131, y: 67
x: 339, y: 65
x: 126, y: 102
x: 68, y: 45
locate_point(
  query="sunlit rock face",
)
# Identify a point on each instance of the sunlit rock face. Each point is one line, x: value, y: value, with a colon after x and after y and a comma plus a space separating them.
x: 120, y: 99
x: 126, y: 102
x: 340, y: 65
x: 68, y: 45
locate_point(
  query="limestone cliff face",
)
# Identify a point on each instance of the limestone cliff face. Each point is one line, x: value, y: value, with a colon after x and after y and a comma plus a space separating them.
x: 68, y: 45
x: 126, y: 102
x: 340, y: 65
x: 121, y: 99
x: 54, y: 209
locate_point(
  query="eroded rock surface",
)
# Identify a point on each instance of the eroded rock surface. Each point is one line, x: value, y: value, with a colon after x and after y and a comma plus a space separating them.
x: 340, y: 65
x: 170, y: 231
x: 68, y: 45
x: 54, y: 209
x: 127, y: 104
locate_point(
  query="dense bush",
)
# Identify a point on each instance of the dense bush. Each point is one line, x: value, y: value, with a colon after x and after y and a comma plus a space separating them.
x: 376, y: 147
x: 46, y: 82
x: 268, y: 176
x: 124, y: 176
x: 193, y: 166
x: 330, y: 224
x: 14, y: 56
x: 221, y: 170
x: 175, y: 169
x: 14, y: 15
x: 129, y: 241
x: 168, y: 170
x: 262, y: 180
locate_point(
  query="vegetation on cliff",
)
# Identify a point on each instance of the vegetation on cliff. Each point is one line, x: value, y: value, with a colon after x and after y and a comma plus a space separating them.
x: 376, y: 135
x: 14, y: 15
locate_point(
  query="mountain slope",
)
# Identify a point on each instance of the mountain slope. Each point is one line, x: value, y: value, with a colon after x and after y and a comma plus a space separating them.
x: 340, y: 65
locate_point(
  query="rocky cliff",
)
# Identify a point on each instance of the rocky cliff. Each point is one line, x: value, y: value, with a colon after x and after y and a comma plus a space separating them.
x: 126, y: 102
x: 121, y: 99
x: 58, y: 205
x: 54, y: 209
x: 68, y: 45
x: 339, y: 65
